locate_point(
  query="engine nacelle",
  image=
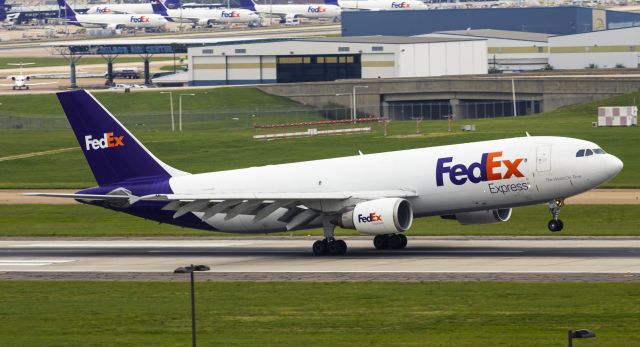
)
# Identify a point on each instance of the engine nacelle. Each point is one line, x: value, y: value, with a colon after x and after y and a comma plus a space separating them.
x: 482, y: 217
x: 378, y: 217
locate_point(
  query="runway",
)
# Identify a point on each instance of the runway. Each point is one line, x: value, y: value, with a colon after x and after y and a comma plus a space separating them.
x: 275, y: 258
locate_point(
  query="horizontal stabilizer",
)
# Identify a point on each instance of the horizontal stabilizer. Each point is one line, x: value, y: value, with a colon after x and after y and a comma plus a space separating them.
x: 81, y: 196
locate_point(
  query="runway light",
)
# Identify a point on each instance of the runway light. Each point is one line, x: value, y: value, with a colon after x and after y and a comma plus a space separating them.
x: 190, y: 270
x: 580, y: 334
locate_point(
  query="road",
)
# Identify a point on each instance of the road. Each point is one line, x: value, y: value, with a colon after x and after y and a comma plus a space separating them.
x: 275, y: 258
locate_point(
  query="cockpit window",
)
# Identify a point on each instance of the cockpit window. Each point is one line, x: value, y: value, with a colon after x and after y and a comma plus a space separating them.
x: 599, y: 151
x: 580, y: 153
x: 588, y: 152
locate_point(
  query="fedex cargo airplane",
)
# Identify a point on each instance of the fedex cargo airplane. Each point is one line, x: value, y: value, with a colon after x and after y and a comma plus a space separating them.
x: 375, y: 194
x: 287, y: 12
x: 204, y: 16
x: 110, y: 21
x: 141, y: 8
x: 379, y: 5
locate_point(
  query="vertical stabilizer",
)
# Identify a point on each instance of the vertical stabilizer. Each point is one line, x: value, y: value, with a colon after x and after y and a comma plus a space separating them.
x: 159, y: 8
x: 113, y: 153
x: 66, y: 11
x: 248, y: 5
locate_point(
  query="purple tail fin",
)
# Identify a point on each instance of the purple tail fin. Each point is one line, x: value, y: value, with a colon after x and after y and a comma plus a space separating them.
x: 112, y: 152
x: 3, y: 11
x: 173, y: 4
x: 248, y: 4
x: 159, y: 8
x: 66, y: 11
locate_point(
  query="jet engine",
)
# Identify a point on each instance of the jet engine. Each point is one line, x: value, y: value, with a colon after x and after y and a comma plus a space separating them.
x: 482, y: 217
x: 379, y: 217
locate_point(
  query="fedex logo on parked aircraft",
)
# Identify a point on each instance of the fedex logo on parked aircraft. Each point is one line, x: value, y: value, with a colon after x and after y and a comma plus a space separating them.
x: 486, y: 170
x: 103, y: 10
x: 141, y: 19
x: 230, y: 14
x: 316, y: 9
x: 370, y: 218
x: 106, y: 141
x: 400, y: 5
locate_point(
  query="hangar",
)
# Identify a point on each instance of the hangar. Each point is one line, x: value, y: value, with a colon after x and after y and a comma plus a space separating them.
x: 329, y: 59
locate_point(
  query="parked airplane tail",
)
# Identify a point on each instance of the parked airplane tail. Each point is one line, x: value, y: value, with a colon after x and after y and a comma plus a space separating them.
x: 113, y: 153
x: 331, y: 2
x: 248, y: 4
x: 172, y: 4
x: 3, y: 11
x: 159, y: 8
x: 66, y: 11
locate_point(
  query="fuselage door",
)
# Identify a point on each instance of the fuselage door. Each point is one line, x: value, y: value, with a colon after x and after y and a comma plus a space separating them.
x: 543, y: 158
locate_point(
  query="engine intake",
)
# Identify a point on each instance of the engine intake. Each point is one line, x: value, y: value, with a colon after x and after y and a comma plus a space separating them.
x: 482, y: 217
x: 378, y: 217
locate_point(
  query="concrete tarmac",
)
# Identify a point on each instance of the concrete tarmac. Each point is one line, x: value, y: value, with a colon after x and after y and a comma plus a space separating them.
x: 283, y: 258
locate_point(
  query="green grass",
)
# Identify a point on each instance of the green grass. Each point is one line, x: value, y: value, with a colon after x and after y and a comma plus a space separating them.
x: 60, y: 61
x: 62, y: 220
x: 213, y: 141
x: 317, y: 314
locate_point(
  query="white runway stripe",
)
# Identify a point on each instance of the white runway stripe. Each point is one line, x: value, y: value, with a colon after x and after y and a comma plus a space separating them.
x: 39, y: 262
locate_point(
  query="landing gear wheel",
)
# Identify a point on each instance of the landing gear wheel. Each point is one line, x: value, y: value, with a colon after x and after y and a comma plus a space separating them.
x: 320, y: 247
x: 555, y: 225
x: 404, y: 241
x: 337, y: 247
x: 381, y: 241
x: 395, y: 241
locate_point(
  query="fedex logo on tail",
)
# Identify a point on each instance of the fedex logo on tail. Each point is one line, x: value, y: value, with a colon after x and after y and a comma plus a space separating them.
x: 106, y: 141
x: 488, y: 169
x: 316, y: 9
x: 141, y: 19
x: 370, y: 218
x: 400, y: 5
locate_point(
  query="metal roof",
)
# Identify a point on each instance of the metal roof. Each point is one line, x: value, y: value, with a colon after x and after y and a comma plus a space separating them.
x: 500, y: 34
x: 386, y: 39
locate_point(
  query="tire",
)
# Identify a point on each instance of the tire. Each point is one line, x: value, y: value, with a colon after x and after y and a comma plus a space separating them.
x: 404, y: 241
x: 320, y: 247
x: 395, y: 241
x: 555, y: 225
x: 381, y: 242
x: 341, y: 247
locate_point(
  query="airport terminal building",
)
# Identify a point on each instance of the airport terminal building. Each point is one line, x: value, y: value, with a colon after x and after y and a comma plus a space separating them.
x: 329, y: 59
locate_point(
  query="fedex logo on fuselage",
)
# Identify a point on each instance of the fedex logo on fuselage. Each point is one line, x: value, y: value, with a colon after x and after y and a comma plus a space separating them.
x: 230, y: 14
x: 103, y: 10
x: 316, y: 9
x: 106, y: 141
x: 400, y: 5
x: 141, y: 19
x: 488, y: 169
x: 369, y: 218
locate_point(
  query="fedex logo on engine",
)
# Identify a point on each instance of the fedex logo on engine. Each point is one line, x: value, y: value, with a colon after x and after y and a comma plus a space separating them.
x: 370, y: 218
x: 106, y: 141
x: 141, y: 19
x: 488, y: 169
x: 231, y: 14
x: 400, y: 5
x: 316, y: 9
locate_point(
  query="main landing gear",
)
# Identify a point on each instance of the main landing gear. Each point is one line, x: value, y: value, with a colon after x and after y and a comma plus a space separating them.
x: 390, y: 241
x: 329, y: 245
x: 555, y: 224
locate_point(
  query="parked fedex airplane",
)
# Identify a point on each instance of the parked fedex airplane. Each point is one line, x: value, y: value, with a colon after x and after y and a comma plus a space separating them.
x: 110, y: 21
x: 204, y: 16
x: 375, y: 194
x: 287, y: 12
x: 21, y: 80
x: 378, y: 5
x: 141, y: 8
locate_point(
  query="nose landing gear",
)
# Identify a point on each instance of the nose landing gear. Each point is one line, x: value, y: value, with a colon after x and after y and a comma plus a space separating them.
x: 555, y: 224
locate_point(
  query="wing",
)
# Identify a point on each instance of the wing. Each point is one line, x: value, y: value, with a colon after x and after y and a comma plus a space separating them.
x: 302, y: 208
x: 41, y: 84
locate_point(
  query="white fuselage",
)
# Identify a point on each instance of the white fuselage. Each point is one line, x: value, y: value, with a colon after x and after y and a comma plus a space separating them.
x: 296, y: 11
x: 121, y: 8
x: 216, y: 15
x: 517, y: 172
x: 117, y: 21
x: 374, y: 5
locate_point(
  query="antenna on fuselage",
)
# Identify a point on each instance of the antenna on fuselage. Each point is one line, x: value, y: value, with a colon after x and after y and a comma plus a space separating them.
x: 526, y: 132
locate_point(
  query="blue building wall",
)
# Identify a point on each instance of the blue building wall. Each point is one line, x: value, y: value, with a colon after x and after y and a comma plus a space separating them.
x: 548, y: 20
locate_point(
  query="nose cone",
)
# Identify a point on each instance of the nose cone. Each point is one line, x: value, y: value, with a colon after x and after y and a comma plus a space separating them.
x: 614, y: 165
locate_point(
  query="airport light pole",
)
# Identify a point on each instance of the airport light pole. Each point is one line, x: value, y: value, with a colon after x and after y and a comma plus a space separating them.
x: 350, y: 95
x: 190, y: 270
x: 173, y: 123
x: 354, y: 111
x: 180, y: 107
